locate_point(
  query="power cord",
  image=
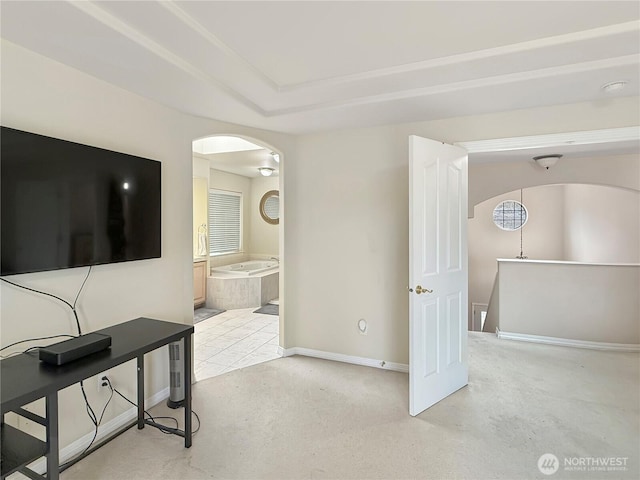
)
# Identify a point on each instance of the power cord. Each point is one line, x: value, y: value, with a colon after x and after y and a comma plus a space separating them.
x: 92, y: 416
x: 72, y: 307
x: 106, y: 382
x: 96, y: 422
x: 90, y: 412
x: 30, y: 340
x: 167, y: 429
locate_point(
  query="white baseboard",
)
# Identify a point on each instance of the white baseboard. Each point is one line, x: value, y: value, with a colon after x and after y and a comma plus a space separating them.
x: 339, y: 357
x: 104, y: 431
x: 566, y: 342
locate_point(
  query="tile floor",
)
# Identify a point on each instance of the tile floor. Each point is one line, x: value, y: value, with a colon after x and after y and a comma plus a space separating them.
x: 234, y: 339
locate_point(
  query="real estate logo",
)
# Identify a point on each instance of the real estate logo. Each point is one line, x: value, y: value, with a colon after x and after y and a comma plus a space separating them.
x: 548, y: 464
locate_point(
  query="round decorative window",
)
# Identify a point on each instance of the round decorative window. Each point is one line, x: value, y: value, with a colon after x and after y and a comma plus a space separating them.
x: 510, y: 215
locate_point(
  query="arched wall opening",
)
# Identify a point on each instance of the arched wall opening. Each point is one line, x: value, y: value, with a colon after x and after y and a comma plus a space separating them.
x: 487, y: 180
x: 572, y: 222
x: 234, y: 170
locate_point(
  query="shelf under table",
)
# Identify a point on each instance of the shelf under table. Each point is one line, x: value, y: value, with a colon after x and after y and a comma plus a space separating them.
x: 19, y: 449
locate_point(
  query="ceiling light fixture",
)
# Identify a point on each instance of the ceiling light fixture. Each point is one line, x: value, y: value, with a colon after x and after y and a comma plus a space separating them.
x: 266, y: 171
x: 614, y: 86
x: 546, y: 161
x: 275, y: 156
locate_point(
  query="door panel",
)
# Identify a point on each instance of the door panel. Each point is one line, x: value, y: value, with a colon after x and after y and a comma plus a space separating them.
x: 454, y: 212
x: 438, y: 265
x: 430, y: 243
x: 429, y: 324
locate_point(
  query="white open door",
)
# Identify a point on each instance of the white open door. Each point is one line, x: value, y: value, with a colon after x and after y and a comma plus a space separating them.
x: 438, y: 272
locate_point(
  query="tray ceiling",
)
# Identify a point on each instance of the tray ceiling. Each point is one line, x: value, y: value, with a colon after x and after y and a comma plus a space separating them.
x: 308, y: 66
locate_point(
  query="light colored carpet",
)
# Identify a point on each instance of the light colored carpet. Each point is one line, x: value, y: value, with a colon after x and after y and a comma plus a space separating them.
x: 304, y: 418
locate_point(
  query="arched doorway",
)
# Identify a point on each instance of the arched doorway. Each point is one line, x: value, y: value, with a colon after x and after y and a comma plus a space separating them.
x: 238, y: 230
x: 570, y: 222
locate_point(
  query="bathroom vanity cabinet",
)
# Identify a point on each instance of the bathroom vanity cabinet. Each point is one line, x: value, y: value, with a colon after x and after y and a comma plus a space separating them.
x: 199, y: 282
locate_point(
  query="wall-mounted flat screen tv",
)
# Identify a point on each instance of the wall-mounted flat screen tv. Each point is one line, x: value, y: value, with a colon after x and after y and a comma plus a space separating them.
x: 66, y: 205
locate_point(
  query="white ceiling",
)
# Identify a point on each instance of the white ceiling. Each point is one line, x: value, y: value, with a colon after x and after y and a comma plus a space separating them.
x: 307, y: 66
x: 567, y: 151
x: 223, y: 144
x: 597, y: 143
x: 245, y: 163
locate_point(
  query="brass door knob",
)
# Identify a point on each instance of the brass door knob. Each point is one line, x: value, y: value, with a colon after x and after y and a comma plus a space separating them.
x: 420, y: 290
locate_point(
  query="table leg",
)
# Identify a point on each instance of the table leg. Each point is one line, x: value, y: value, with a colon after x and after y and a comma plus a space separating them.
x: 187, y: 391
x: 140, y: 392
x: 53, y: 453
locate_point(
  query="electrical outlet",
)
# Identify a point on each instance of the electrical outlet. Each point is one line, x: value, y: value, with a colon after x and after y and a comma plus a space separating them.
x: 103, y: 385
x: 362, y: 326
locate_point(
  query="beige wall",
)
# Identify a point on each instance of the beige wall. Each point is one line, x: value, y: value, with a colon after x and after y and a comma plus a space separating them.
x: 347, y: 249
x: 347, y: 204
x: 594, y: 303
x: 582, y: 223
x: 486, y: 180
x: 201, y: 168
x: 602, y: 224
x: 46, y: 97
x: 543, y: 236
x: 264, y: 239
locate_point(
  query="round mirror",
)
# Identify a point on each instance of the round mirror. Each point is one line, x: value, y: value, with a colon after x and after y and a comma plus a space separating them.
x: 270, y: 207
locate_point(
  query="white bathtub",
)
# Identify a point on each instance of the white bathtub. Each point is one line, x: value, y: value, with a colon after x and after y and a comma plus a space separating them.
x: 252, y: 267
x: 243, y: 285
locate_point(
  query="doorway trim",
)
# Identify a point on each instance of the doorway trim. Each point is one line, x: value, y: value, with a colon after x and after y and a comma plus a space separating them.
x: 616, y: 143
x: 590, y: 137
x: 282, y: 220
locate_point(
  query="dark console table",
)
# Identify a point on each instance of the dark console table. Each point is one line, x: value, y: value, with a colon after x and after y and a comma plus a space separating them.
x: 25, y: 379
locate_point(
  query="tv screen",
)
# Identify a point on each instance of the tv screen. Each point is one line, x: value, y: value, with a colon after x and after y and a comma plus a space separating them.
x: 66, y: 205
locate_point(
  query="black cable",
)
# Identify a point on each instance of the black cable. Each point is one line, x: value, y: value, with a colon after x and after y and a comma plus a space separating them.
x: 90, y: 412
x: 37, y: 291
x: 70, y: 463
x: 28, y: 351
x: 196, y: 430
x: 92, y: 415
x: 82, y: 286
x: 12, y: 354
x: 87, y: 450
x: 95, y: 432
x: 152, y: 418
x: 33, y: 339
x: 72, y: 307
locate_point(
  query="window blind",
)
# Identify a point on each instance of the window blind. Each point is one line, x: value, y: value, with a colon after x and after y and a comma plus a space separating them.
x: 225, y: 221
